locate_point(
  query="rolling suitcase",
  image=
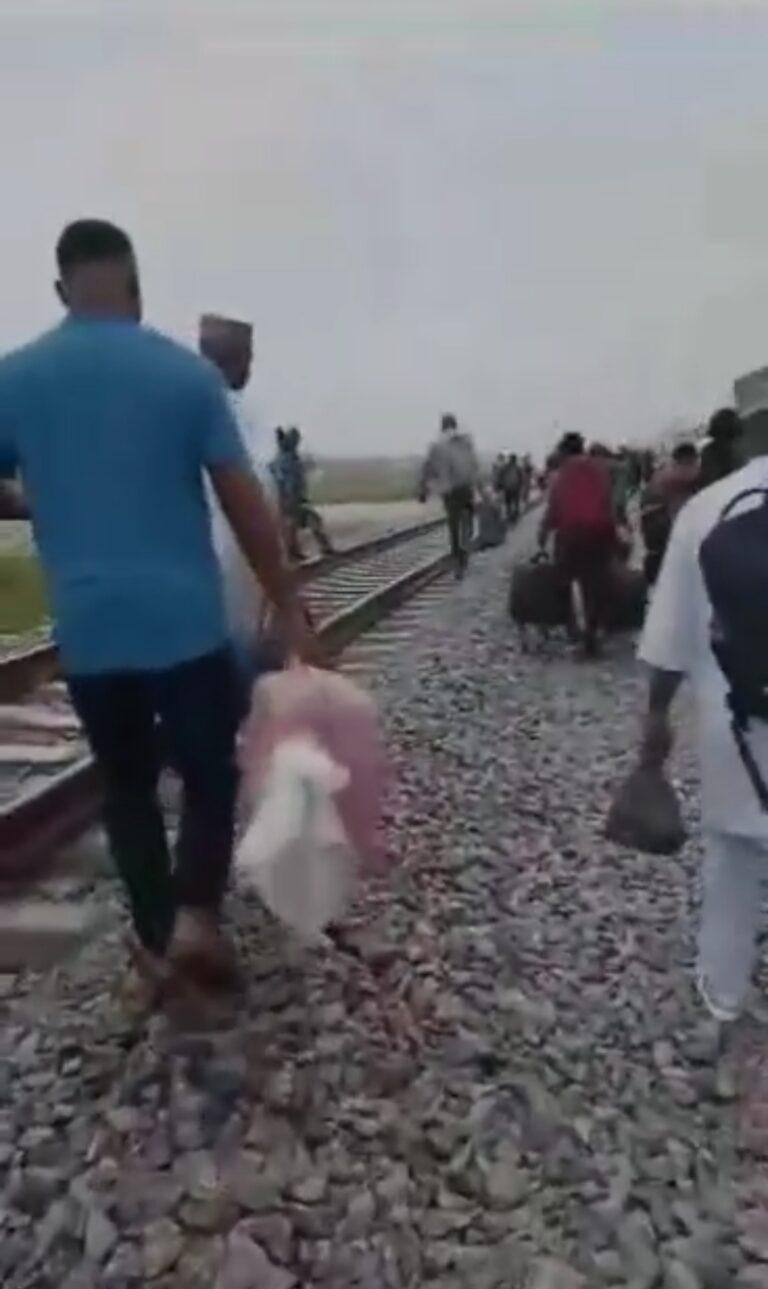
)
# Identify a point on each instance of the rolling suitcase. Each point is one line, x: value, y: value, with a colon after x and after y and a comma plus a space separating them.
x: 539, y: 596
x: 625, y: 609
x: 491, y: 529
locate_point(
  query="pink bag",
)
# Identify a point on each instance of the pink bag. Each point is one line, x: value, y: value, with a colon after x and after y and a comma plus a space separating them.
x: 334, y: 714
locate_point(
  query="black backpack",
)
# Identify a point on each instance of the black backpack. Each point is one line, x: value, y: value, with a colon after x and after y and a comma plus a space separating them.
x: 734, y: 564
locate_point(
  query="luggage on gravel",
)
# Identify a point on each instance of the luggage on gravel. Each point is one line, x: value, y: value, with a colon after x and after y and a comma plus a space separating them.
x: 627, y: 597
x: 539, y: 595
x: 491, y: 529
x: 645, y: 814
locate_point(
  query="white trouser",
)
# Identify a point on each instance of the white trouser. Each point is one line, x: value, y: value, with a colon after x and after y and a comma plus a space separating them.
x: 735, y: 871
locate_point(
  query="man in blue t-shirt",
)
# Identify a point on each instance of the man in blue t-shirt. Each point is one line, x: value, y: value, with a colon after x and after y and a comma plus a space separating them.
x: 113, y: 429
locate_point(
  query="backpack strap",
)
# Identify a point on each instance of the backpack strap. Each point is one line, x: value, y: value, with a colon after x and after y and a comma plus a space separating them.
x: 739, y: 721
x: 741, y: 496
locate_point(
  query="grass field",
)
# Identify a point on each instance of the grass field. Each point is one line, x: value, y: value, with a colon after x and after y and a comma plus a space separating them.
x: 333, y: 483
x: 360, y: 481
x: 22, y: 596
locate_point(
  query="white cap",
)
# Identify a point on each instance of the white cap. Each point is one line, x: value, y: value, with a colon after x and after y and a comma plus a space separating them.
x: 751, y: 392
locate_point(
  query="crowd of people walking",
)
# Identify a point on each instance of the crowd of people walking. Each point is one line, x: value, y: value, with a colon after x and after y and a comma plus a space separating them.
x: 146, y: 481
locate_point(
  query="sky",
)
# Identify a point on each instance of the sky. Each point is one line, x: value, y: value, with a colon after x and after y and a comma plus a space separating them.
x: 540, y: 216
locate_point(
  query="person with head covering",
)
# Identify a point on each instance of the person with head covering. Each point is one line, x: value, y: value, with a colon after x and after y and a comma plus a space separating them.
x: 114, y: 429
x: 707, y: 624
x: 720, y: 454
x: 666, y: 494
x: 228, y: 344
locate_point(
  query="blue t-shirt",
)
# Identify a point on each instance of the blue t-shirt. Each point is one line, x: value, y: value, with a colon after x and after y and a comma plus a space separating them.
x: 111, y: 427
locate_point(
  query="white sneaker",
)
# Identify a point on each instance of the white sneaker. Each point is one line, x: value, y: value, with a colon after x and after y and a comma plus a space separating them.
x: 724, y: 1010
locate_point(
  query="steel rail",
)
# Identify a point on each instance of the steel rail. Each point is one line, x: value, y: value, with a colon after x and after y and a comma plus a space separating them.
x: 49, y: 816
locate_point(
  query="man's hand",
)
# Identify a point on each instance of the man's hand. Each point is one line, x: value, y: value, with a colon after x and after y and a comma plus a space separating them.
x: 657, y: 731
x: 301, y: 643
x: 12, y: 501
x: 657, y: 740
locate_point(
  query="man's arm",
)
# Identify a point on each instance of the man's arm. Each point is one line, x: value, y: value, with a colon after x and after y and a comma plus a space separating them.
x: 256, y: 528
x: 13, y: 504
x: 669, y: 641
x: 476, y: 471
x: 221, y: 452
x: 656, y: 742
x: 426, y: 473
x: 12, y: 501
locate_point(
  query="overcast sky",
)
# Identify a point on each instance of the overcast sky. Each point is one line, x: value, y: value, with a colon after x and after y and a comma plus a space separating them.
x: 527, y: 214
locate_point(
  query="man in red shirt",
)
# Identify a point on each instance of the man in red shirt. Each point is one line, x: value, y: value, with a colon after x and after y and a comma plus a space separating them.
x: 581, y: 516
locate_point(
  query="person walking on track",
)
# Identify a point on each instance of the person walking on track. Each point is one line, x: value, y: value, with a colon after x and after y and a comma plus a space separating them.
x: 228, y: 344
x: 708, y: 621
x: 581, y: 516
x: 114, y: 429
x: 509, y: 485
x: 451, y: 469
x: 666, y: 494
x: 289, y: 470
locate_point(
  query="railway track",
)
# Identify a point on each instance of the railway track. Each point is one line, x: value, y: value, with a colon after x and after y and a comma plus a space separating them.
x: 49, y: 790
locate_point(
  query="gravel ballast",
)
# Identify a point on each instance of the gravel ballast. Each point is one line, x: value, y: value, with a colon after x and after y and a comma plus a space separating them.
x: 497, y: 1076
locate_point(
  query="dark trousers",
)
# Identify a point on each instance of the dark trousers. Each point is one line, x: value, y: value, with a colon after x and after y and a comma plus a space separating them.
x: 587, y: 560
x: 512, y: 505
x: 133, y: 719
x: 460, y: 511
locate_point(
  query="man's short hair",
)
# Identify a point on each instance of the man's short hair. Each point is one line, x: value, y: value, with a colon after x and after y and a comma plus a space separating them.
x: 725, y: 424
x: 90, y: 241
x: 571, y: 444
x: 685, y: 453
x: 448, y: 422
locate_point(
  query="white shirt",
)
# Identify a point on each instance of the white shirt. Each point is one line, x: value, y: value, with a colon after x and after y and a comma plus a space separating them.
x: 243, y: 597
x: 676, y: 638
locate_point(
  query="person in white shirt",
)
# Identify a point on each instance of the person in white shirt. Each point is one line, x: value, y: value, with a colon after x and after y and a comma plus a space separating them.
x: 676, y: 644
x: 228, y: 344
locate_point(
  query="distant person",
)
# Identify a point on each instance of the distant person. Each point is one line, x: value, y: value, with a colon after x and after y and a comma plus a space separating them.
x: 451, y: 469
x: 290, y: 472
x: 633, y: 471
x: 228, y: 344
x: 491, y: 525
x: 623, y: 482
x: 580, y: 515
x: 114, y: 430
x: 497, y: 474
x: 720, y: 454
x: 527, y: 473
x: 708, y: 621
x: 664, y: 497
x: 507, y: 484
x: 512, y: 488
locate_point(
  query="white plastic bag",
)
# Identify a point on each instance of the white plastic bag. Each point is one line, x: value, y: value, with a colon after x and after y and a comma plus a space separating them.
x: 339, y: 718
x: 295, y: 850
